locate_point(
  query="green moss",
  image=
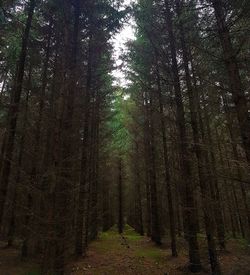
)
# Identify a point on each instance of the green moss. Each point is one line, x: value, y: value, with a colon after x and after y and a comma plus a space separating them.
x: 134, y: 237
x: 151, y: 253
x: 129, y: 231
x: 201, y: 236
x: 128, y: 228
x: 243, y: 243
x: 107, y: 235
x: 107, y: 241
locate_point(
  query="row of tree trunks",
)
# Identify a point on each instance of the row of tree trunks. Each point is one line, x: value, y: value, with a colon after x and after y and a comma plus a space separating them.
x: 200, y: 154
x: 50, y: 189
x: 231, y: 64
x: 188, y: 196
x: 167, y: 171
x: 80, y: 246
x: 13, y: 112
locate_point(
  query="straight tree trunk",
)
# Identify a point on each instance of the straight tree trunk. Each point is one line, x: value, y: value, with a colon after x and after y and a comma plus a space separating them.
x: 28, y: 212
x: 94, y: 203
x: 81, y: 212
x: 167, y: 172
x: 155, y: 223
x: 139, y: 215
x: 147, y: 165
x: 64, y: 186
x: 49, y: 166
x: 12, y: 225
x: 120, y: 199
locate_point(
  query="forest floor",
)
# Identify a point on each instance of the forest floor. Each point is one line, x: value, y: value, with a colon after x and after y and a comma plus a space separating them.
x: 131, y: 254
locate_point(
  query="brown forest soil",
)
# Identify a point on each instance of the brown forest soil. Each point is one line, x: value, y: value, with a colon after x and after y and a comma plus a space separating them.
x: 132, y: 254
x: 111, y: 255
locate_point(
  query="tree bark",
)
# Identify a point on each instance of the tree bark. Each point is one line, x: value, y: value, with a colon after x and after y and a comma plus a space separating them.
x: 138, y: 194
x: 155, y: 223
x: 120, y: 199
x: 81, y: 212
x: 167, y: 172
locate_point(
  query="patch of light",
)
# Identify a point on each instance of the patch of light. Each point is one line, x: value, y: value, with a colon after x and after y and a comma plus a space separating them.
x: 126, y: 97
x: 119, y: 41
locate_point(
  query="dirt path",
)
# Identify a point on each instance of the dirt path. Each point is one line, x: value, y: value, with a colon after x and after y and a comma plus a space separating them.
x: 126, y: 254
x: 132, y: 254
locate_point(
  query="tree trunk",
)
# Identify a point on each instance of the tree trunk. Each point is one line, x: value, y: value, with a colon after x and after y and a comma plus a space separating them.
x: 214, y: 185
x: 147, y: 165
x: 120, y: 199
x: 65, y: 181
x: 138, y: 195
x: 81, y: 212
x: 155, y: 223
x: 167, y: 172
x: 12, y: 225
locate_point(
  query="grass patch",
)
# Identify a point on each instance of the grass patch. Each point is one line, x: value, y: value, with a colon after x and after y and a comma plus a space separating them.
x: 112, y: 234
x: 152, y: 253
x: 109, y: 235
x: 107, y: 241
x: 243, y: 243
x: 133, y: 237
x: 129, y: 231
x: 111, y: 240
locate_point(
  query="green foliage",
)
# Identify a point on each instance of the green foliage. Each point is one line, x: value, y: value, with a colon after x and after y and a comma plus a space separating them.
x: 13, y: 49
x: 153, y: 253
x: 243, y: 243
x: 120, y: 141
